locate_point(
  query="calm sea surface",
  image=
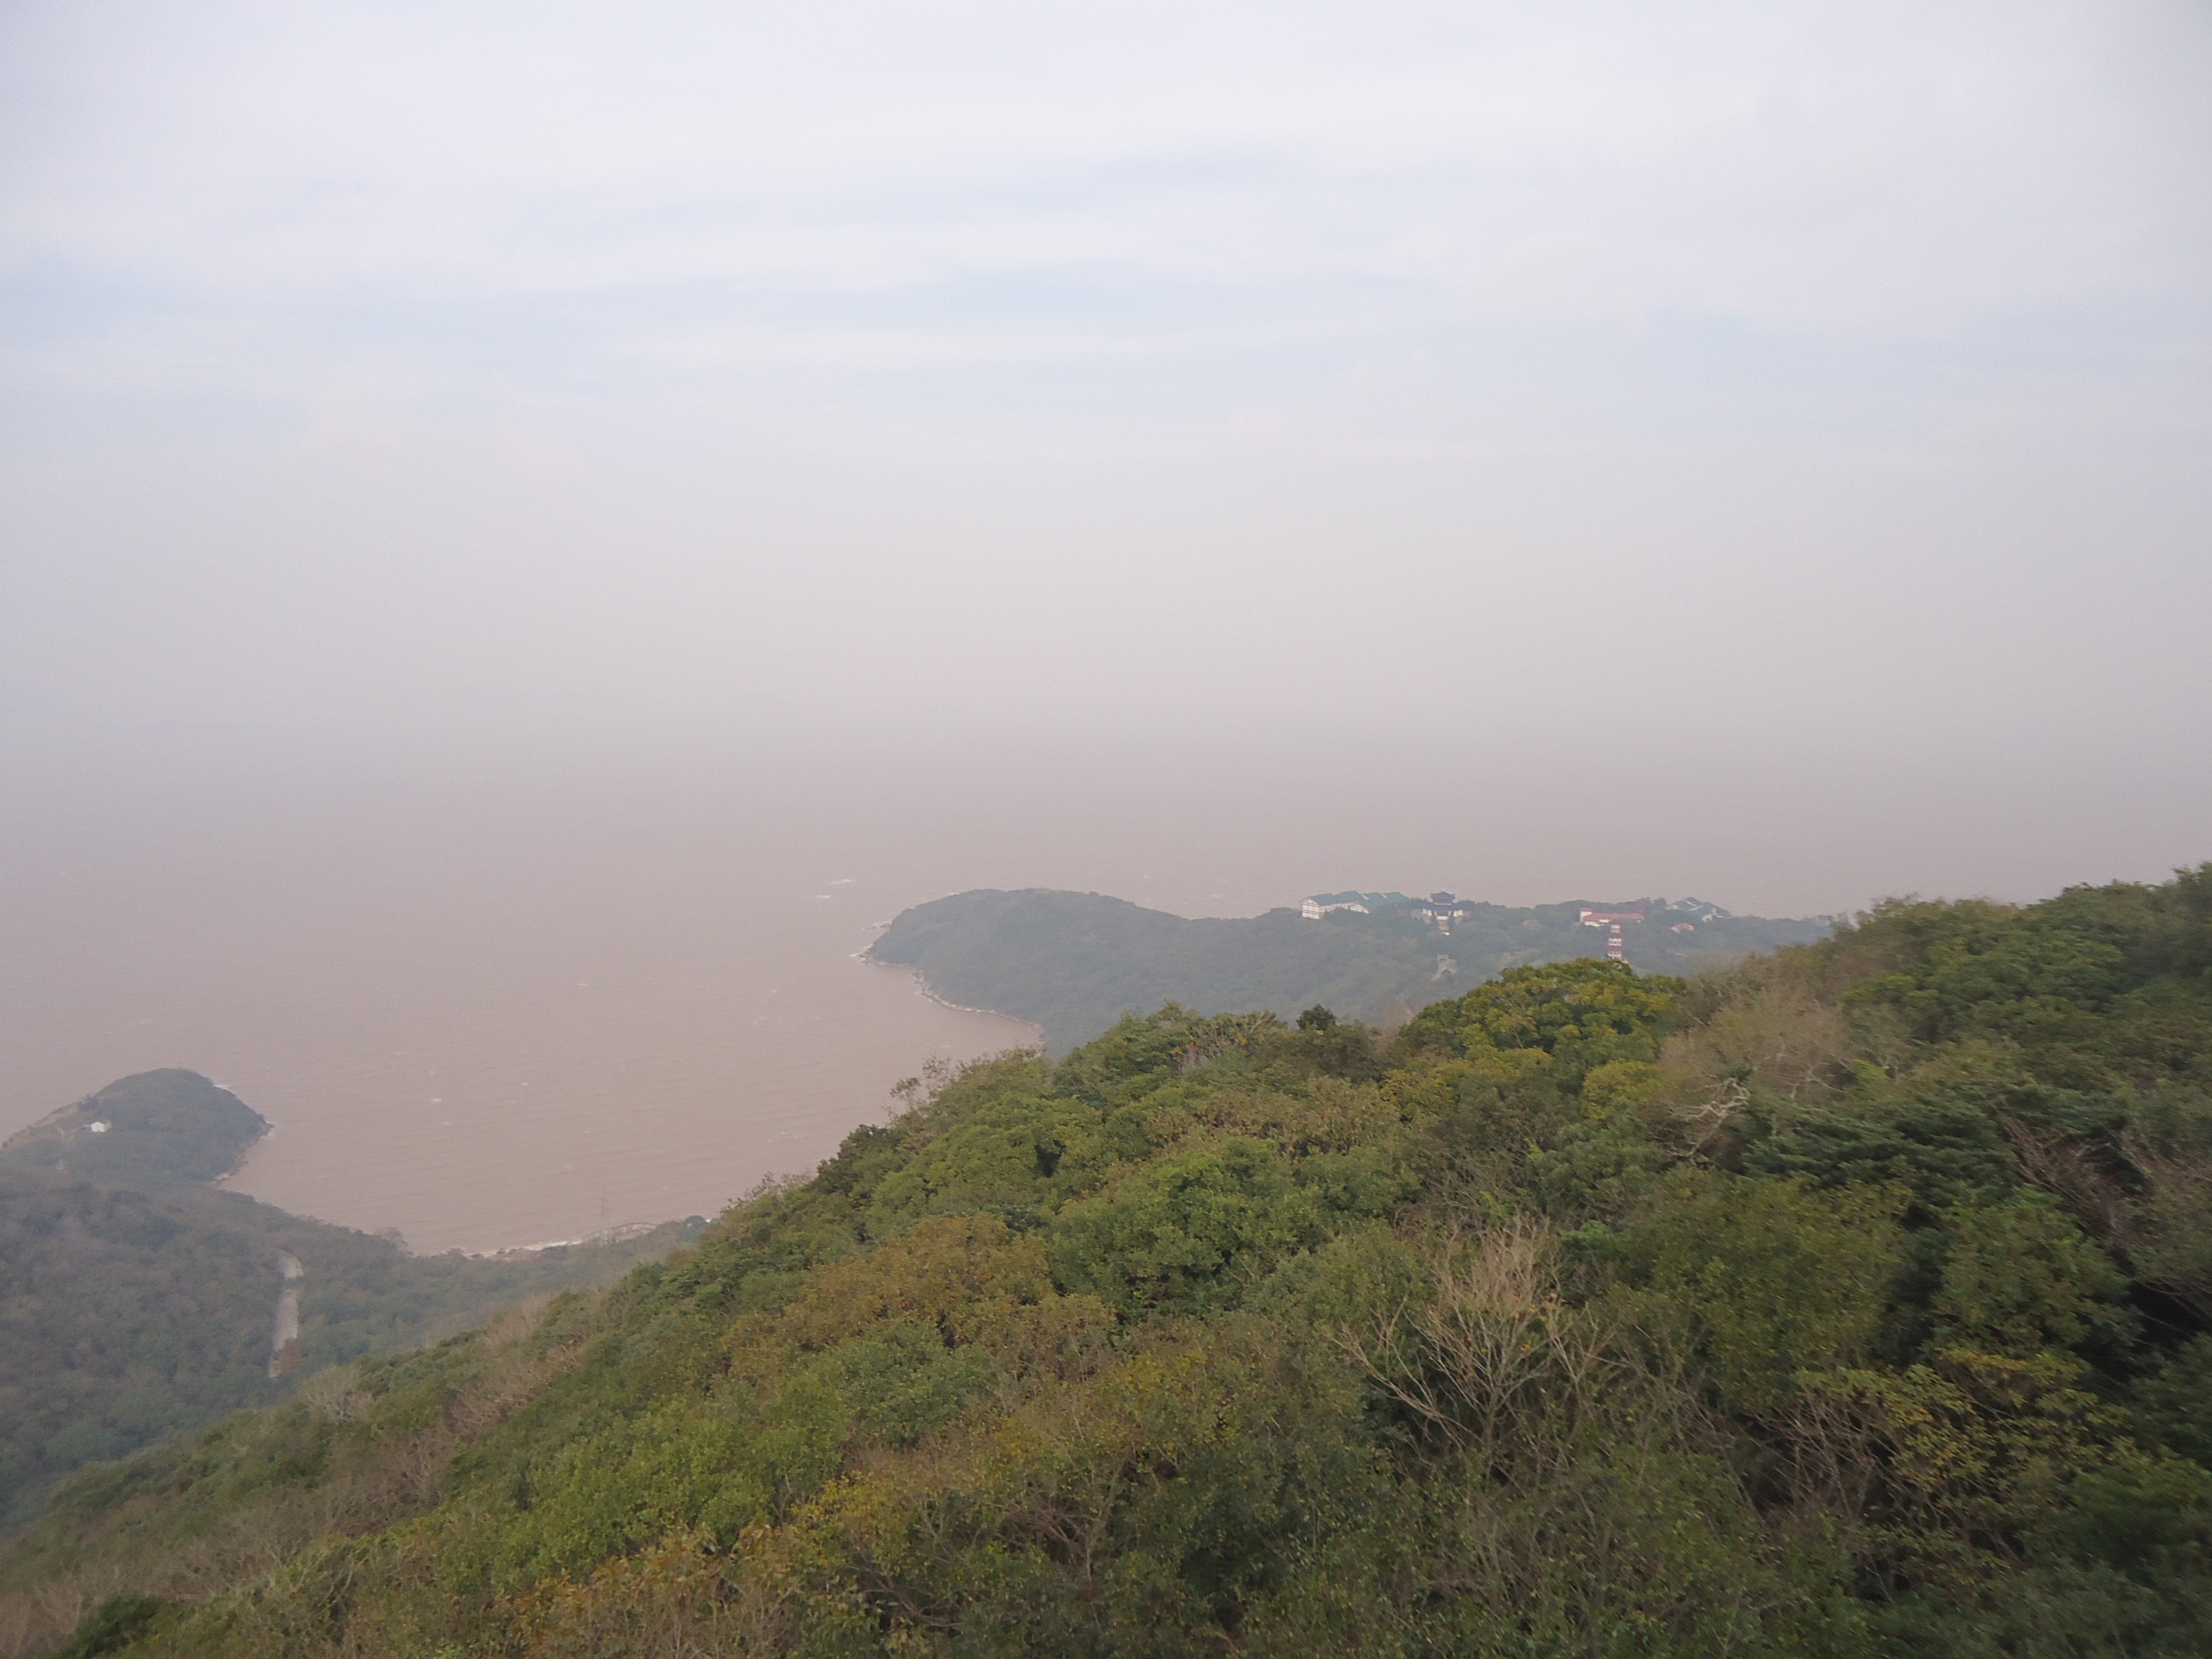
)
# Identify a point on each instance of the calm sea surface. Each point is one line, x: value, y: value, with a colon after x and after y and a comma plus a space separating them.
x: 485, y: 1014
x: 503, y: 998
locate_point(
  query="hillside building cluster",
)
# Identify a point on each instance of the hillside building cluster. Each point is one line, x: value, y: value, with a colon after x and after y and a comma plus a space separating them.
x: 1444, y: 909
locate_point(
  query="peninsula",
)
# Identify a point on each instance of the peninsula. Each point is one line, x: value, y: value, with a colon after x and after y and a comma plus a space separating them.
x: 1073, y: 963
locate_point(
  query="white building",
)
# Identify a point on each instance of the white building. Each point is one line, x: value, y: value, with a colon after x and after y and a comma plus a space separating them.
x: 1321, y: 903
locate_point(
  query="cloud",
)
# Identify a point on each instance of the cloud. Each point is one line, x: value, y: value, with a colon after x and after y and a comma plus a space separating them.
x: 1871, y: 169
x: 669, y: 357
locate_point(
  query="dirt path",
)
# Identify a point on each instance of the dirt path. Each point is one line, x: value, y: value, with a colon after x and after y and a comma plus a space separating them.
x: 287, y: 1313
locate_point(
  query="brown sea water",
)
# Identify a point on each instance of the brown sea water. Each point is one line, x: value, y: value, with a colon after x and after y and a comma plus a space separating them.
x: 499, y: 993
x: 482, y: 1012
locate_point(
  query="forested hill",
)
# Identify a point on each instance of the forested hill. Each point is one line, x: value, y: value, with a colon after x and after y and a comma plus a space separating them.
x: 1075, y: 962
x: 1851, y: 1304
x: 153, y: 1131
x: 136, y: 1300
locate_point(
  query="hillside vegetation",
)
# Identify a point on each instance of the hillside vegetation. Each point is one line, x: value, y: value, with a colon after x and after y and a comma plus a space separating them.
x: 136, y: 1300
x: 150, y: 1133
x: 1851, y: 1302
x: 1074, y: 963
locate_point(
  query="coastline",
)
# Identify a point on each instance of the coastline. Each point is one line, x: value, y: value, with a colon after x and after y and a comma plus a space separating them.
x: 923, y: 987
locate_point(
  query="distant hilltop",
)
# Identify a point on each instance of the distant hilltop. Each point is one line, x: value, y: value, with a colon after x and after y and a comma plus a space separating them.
x: 149, y: 1133
x: 1074, y: 963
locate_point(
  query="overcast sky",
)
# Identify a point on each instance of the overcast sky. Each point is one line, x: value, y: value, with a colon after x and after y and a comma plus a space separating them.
x: 1826, y: 375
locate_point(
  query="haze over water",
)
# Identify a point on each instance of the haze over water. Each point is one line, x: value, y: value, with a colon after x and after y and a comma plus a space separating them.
x: 515, y: 993
x: 485, y: 1022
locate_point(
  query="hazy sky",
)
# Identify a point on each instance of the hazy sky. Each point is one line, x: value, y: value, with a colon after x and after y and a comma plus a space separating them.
x: 1737, y: 378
